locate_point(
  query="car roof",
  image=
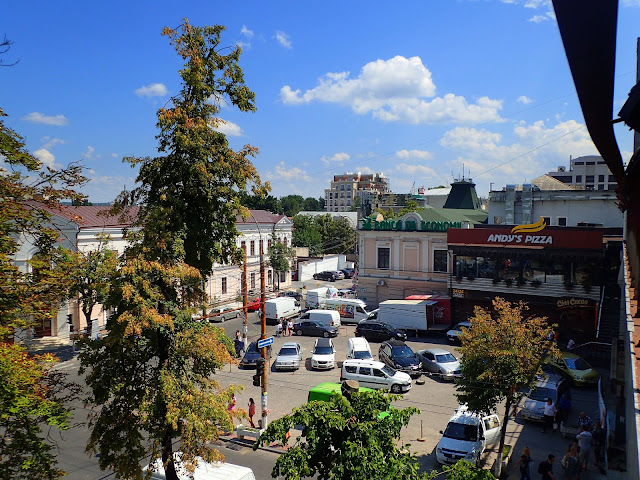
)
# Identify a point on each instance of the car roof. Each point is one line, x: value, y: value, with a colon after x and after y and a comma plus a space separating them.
x: 324, y: 342
x: 549, y: 381
x: 395, y: 343
x: 436, y: 351
x: 290, y: 345
x: 465, y: 416
x: 364, y: 363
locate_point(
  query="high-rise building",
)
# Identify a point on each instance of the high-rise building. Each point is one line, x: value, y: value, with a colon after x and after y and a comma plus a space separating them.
x: 347, y: 188
x: 587, y: 173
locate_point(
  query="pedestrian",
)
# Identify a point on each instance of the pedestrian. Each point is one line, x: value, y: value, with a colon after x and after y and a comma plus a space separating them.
x: 564, y: 406
x: 546, y: 468
x: 289, y: 327
x: 278, y: 329
x: 549, y: 415
x: 570, y: 464
x: 232, y: 403
x: 523, y: 462
x: 585, y: 421
x: 237, y: 343
x: 598, y: 438
x: 252, y: 411
x: 584, y: 442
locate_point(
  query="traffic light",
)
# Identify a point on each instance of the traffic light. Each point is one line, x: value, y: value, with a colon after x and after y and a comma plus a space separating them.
x: 257, y: 378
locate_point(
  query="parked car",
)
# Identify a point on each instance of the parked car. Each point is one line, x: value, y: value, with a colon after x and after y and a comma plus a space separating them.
x: 253, y: 305
x: 399, y: 355
x: 547, y: 386
x: 339, y: 274
x: 452, y: 335
x: 576, y: 368
x: 439, y: 361
x: 224, y: 313
x: 289, y: 357
x: 372, y: 374
x: 252, y: 354
x: 348, y: 272
x: 324, y: 354
x: 378, y: 332
x: 326, y: 275
x: 291, y: 293
x: 314, y: 328
x: 358, y: 348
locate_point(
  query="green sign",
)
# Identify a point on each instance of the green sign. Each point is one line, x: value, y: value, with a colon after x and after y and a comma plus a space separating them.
x: 409, y: 225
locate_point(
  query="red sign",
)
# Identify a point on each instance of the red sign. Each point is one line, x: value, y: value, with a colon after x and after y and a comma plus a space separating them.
x: 441, y: 310
x: 546, y: 238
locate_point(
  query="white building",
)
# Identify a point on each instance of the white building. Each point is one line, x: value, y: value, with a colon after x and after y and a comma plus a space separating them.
x: 587, y: 173
x: 346, y: 188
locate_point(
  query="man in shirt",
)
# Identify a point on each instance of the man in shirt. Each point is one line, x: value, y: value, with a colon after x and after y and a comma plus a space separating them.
x: 584, y: 442
x: 549, y: 415
x: 585, y: 421
x: 546, y: 468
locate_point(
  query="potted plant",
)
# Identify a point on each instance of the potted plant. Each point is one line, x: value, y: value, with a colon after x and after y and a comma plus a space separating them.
x: 508, y: 282
x: 536, y: 283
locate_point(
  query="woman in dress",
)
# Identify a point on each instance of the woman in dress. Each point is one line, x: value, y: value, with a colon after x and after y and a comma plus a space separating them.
x: 252, y: 411
x: 523, y: 463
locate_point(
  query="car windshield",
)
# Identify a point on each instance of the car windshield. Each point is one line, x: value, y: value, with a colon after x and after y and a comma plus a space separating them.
x: 402, y: 352
x: 288, y: 351
x: 388, y: 370
x: 460, y: 431
x: 323, y: 351
x: 361, y: 354
x: 252, y: 348
x: 541, y: 394
x: 445, y: 358
x: 577, y: 364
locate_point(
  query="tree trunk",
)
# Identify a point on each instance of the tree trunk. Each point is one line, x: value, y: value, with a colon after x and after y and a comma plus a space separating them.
x: 167, y: 445
x: 87, y: 310
x: 503, y: 434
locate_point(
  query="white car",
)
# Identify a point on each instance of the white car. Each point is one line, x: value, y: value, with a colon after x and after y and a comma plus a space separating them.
x: 289, y: 357
x: 452, y: 335
x: 372, y: 374
x: 439, y: 361
x: 323, y: 355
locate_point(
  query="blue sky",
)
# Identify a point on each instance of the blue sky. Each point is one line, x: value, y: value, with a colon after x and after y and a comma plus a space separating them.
x: 414, y: 89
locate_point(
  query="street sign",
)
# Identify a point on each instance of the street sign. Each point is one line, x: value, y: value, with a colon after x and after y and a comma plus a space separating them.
x: 265, y: 342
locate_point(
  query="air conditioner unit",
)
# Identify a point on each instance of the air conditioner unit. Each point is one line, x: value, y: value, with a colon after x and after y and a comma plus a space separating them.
x: 381, y: 283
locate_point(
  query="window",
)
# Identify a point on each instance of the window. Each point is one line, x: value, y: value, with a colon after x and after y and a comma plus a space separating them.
x: 261, y: 247
x: 612, y: 178
x: 253, y: 281
x: 365, y: 371
x: 378, y: 373
x: 589, y: 178
x: 342, y: 187
x: 384, y: 257
x: 562, y: 221
x: 589, y: 163
x: 578, y: 163
x: 350, y: 369
x: 547, y: 220
x: 268, y: 245
x: 285, y: 240
x: 243, y: 246
x: 601, y: 178
x: 224, y: 285
x: 601, y: 186
x: 252, y: 246
x: 497, y: 220
x: 269, y: 277
x: 440, y: 261
x: 578, y: 178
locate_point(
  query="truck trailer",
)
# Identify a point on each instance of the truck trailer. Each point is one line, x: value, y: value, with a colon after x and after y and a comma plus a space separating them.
x: 408, y: 315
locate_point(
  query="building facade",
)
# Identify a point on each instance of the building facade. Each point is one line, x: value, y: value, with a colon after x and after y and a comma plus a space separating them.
x: 586, y: 173
x: 345, y: 191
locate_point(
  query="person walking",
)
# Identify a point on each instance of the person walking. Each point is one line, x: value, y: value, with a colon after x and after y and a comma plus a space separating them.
x: 546, y: 468
x: 252, y: 411
x: 564, y: 406
x: 550, y: 412
x: 289, y: 327
x: 232, y: 403
x: 571, y: 464
x: 523, y: 462
x: 584, y: 442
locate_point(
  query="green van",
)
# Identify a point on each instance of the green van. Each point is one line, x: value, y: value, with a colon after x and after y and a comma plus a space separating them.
x: 323, y: 392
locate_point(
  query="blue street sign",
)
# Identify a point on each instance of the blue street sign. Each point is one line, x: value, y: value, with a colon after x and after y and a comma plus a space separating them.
x: 265, y: 342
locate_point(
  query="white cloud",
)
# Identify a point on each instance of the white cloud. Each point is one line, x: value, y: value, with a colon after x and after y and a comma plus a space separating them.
x: 89, y: 153
x: 228, y: 128
x: 49, y: 142
x: 242, y: 44
x: 337, y: 158
x: 395, y: 90
x: 37, y: 117
x: 283, y: 39
x: 152, y: 90
x: 292, y: 176
x: 524, y: 100
x: 414, y: 154
x: 45, y: 156
x: 539, y: 18
x: 246, y: 32
x: 631, y: 3
x: 415, y: 169
x: 115, y: 155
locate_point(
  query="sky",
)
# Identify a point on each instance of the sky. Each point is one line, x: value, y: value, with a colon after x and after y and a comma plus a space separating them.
x: 422, y: 91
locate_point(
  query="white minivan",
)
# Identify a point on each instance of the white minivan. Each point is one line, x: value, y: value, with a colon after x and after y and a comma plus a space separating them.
x: 467, y: 436
x: 326, y: 317
x: 372, y: 374
x: 358, y: 349
x: 351, y: 310
x: 204, y: 471
x: 281, y: 308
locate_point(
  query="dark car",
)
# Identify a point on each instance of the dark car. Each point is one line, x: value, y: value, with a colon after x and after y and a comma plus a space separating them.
x: 292, y: 294
x: 314, y: 328
x: 399, y: 355
x: 348, y: 272
x: 252, y: 354
x: 378, y: 332
x: 326, y: 275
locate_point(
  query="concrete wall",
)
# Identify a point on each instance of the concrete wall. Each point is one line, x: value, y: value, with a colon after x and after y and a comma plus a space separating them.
x: 306, y: 269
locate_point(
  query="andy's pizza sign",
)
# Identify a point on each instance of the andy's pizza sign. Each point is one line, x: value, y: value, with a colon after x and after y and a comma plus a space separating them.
x: 524, y: 234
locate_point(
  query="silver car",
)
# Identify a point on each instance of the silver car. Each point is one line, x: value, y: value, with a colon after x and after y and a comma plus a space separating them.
x: 452, y: 335
x: 289, y: 357
x: 439, y: 361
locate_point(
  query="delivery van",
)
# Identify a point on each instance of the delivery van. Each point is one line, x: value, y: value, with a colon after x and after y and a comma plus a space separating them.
x: 351, y: 310
x: 281, y: 308
x: 326, y: 317
x: 315, y: 297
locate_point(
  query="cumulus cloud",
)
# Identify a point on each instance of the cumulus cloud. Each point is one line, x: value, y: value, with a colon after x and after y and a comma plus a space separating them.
x: 228, y: 128
x: 89, y: 153
x: 246, y: 32
x: 414, y: 154
x: 55, y: 120
x: 49, y: 142
x: 114, y: 155
x: 152, y: 90
x: 336, y: 159
x: 288, y: 178
x: 283, y: 39
x: 524, y: 100
x: 46, y: 157
x: 398, y: 89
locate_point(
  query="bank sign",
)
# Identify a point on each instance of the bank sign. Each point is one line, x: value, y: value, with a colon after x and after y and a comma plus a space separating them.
x: 534, y: 235
x: 408, y: 225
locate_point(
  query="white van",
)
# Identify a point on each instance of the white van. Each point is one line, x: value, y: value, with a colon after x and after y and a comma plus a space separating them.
x: 372, y: 374
x: 315, y: 297
x: 351, y: 310
x: 205, y: 471
x: 467, y: 436
x: 326, y: 317
x: 358, y: 349
x: 277, y: 309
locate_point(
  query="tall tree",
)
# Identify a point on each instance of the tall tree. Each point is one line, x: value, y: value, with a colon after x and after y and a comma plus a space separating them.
x: 292, y: 204
x: 32, y: 395
x: 341, y: 237
x: 280, y: 257
x: 152, y: 375
x: 305, y: 234
x: 501, y: 355
x: 344, y: 439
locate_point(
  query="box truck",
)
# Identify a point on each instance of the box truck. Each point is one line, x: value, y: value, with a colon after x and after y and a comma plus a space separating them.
x: 407, y: 315
x: 281, y: 308
x: 315, y: 297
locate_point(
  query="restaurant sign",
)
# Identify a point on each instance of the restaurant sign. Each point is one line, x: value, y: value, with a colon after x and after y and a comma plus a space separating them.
x: 457, y: 293
x: 573, y: 302
x: 408, y: 225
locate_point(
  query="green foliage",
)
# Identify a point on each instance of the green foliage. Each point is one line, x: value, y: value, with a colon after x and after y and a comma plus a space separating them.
x: 344, y: 440
x: 256, y: 202
x: 463, y: 470
x: 293, y: 204
x: 323, y: 234
x: 280, y: 256
x: 305, y: 234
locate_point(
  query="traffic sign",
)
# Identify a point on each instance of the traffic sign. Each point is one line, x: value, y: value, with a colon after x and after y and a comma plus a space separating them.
x: 265, y: 342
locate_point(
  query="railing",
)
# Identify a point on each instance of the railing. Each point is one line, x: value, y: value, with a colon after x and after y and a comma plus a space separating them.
x: 597, y: 354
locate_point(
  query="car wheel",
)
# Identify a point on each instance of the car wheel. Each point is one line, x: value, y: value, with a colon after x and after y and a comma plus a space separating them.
x: 395, y: 388
x: 299, y: 333
x: 325, y: 334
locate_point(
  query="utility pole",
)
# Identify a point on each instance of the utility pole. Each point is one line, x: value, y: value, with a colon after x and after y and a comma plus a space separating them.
x: 263, y: 322
x: 245, y: 300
